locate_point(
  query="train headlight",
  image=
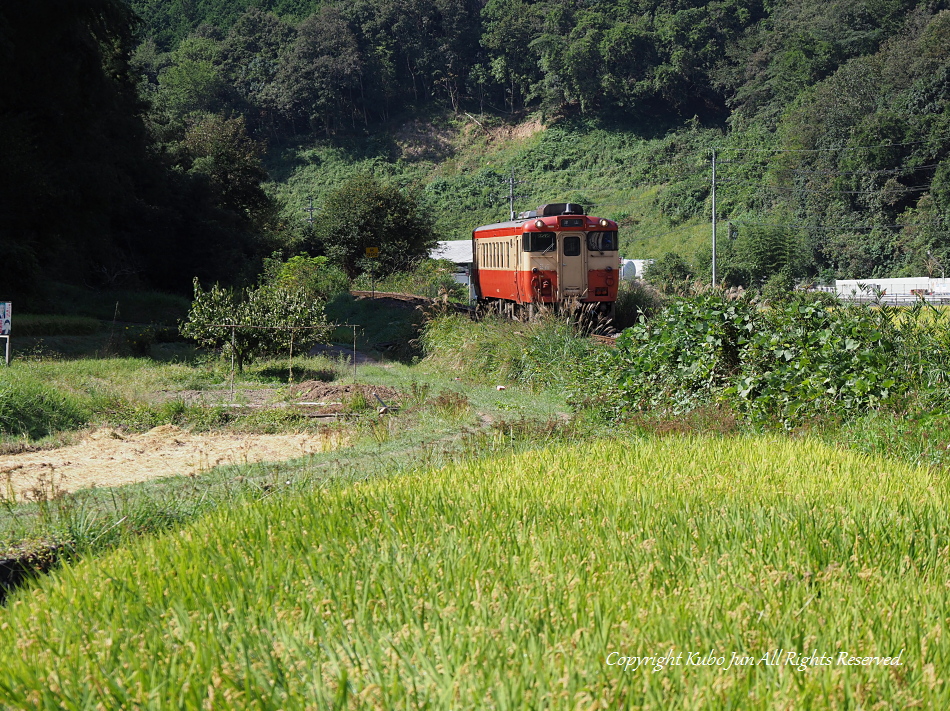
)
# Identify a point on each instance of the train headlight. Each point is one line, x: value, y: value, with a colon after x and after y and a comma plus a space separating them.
x: 539, y: 224
x: 603, y: 223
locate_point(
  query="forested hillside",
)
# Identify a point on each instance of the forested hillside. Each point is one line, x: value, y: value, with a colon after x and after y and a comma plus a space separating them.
x: 137, y: 137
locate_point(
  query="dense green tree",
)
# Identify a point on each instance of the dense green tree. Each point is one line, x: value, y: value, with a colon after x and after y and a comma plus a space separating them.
x: 192, y: 82
x: 220, y: 151
x: 365, y: 212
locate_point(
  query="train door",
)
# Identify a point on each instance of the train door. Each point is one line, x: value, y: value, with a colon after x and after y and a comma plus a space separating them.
x: 573, y: 270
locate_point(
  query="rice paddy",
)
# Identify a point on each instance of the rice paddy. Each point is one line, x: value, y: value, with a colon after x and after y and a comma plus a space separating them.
x: 521, y: 582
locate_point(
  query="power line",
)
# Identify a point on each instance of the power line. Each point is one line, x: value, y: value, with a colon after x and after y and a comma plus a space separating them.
x: 790, y: 188
x: 878, y: 171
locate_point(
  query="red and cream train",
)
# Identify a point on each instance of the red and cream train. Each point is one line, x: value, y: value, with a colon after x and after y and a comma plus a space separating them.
x: 551, y: 255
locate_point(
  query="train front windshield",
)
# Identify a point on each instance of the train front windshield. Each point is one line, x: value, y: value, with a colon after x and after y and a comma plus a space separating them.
x: 602, y: 241
x: 539, y: 241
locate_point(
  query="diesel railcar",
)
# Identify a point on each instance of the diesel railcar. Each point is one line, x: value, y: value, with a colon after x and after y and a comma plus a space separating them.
x: 554, y: 255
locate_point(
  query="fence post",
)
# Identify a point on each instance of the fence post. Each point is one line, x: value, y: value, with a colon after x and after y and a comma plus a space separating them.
x: 233, y: 329
x: 290, y: 365
x: 354, y: 352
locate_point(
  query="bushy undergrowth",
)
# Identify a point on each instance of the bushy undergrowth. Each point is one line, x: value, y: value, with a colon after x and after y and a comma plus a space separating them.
x: 517, y: 583
x: 537, y: 354
x: 782, y: 362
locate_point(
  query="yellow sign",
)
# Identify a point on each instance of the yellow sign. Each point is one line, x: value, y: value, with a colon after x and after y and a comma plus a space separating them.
x: 372, y: 251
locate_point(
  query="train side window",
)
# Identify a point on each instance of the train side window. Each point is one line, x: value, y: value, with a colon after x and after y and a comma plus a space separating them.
x: 539, y: 242
x: 572, y: 246
x: 602, y: 241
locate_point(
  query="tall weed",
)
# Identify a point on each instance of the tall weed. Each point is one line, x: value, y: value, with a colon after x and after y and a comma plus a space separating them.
x: 536, y: 354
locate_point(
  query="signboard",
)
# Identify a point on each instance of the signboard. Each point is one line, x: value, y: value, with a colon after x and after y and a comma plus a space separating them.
x: 372, y: 252
x: 6, y: 314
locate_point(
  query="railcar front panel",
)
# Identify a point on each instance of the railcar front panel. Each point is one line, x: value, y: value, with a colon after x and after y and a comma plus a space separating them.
x: 556, y: 257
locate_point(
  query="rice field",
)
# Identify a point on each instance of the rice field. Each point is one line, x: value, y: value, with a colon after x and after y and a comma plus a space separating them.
x: 658, y: 573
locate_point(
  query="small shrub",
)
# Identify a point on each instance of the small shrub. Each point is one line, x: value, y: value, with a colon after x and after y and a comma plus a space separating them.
x: 671, y: 274
x: 261, y: 314
x: 635, y: 298
x: 357, y: 402
x: 140, y: 340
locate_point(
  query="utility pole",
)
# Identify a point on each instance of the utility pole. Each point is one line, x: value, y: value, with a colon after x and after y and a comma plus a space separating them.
x: 511, y: 194
x: 714, y: 216
x: 309, y: 209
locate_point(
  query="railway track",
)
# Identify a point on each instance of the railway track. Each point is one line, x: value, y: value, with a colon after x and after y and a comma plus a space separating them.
x: 606, y: 340
x: 421, y: 301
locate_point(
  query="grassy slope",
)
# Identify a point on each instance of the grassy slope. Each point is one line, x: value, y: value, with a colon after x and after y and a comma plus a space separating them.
x: 506, y: 583
x: 464, y: 168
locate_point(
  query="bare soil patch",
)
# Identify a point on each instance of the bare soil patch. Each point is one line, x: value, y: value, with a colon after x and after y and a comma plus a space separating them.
x: 319, y: 391
x: 108, y: 457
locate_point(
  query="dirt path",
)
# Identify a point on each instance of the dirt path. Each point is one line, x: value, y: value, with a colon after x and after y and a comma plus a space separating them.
x: 110, y: 458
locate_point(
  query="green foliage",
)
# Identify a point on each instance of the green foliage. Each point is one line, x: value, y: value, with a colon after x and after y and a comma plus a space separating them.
x: 314, y: 276
x: 191, y: 83
x: 672, y: 362
x: 219, y: 150
x: 684, y: 200
x: 791, y: 361
x: 803, y: 361
x: 366, y: 212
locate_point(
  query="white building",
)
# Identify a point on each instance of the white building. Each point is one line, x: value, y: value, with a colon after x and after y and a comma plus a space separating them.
x: 458, y: 251
x: 631, y: 269
x: 893, y: 290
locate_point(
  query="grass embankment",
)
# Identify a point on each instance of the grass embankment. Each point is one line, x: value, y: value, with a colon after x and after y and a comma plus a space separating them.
x: 509, y: 583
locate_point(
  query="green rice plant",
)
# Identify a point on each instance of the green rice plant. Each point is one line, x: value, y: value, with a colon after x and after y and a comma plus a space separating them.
x: 122, y: 305
x: 520, y: 582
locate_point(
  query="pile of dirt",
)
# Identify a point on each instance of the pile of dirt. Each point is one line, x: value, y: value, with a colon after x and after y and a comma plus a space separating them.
x: 319, y: 391
x: 109, y: 457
